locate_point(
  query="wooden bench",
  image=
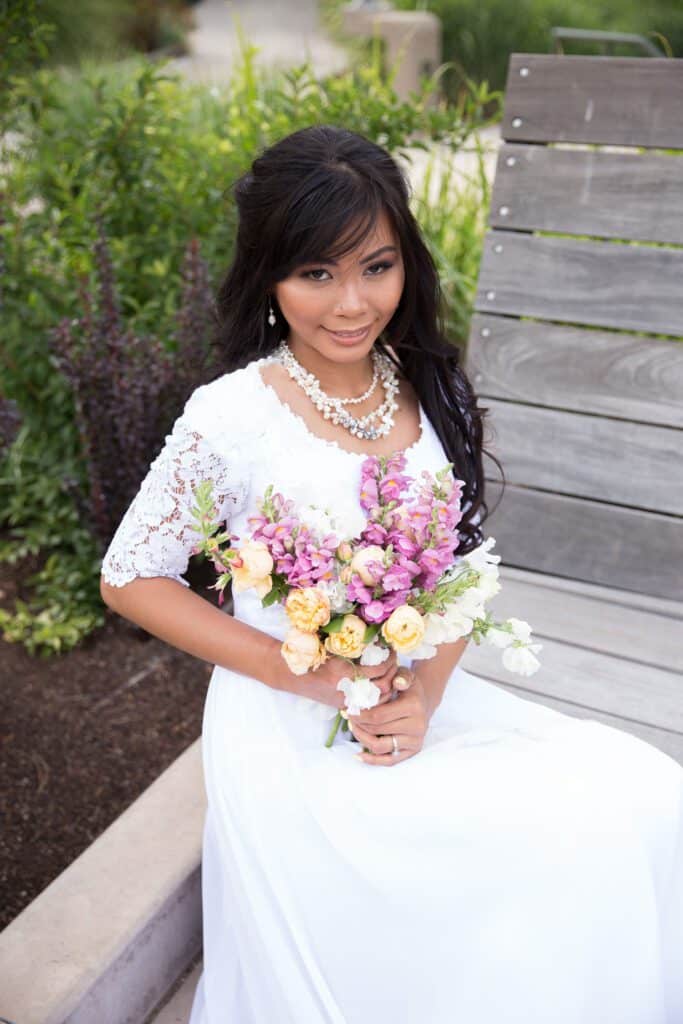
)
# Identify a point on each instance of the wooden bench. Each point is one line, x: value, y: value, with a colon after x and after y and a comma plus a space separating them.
x: 576, y: 348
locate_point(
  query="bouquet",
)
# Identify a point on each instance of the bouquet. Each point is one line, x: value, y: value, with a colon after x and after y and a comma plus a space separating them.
x: 400, y: 584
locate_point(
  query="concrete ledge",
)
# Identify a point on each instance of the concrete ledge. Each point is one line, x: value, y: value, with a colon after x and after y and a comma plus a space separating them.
x: 109, y: 937
x: 177, y: 1009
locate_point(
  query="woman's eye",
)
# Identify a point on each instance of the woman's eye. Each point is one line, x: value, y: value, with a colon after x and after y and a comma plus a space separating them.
x: 377, y: 268
x: 314, y: 274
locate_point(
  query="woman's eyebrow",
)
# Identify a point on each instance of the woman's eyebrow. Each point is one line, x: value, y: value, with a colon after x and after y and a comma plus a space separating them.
x: 366, y: 259
x: 378, y: 252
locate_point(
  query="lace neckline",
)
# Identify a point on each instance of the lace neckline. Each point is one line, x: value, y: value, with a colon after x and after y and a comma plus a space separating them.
x: 316, y: 438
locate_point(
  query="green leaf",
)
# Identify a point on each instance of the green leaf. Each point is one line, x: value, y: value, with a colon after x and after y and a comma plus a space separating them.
x: 371, y: 632
x: 334, y: 625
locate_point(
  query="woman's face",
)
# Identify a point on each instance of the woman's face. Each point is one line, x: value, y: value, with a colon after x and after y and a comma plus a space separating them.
x: 339, y: 309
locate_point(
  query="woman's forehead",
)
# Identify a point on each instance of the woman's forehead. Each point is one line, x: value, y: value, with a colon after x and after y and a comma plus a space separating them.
x: 377, y: 235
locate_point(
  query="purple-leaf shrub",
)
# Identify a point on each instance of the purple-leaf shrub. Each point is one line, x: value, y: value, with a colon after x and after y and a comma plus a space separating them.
x: 129, y: 389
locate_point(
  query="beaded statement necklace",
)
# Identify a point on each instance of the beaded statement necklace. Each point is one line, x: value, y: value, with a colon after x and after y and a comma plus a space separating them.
x: 334, y: 408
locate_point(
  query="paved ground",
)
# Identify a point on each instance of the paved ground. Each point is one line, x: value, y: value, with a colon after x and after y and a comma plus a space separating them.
x: 286, y: 33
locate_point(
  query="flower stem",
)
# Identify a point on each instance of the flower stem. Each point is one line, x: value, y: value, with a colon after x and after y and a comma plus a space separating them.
x: 334, y: 731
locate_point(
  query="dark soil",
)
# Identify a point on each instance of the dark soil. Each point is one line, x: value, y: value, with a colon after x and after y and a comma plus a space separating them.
x: 82, y: 735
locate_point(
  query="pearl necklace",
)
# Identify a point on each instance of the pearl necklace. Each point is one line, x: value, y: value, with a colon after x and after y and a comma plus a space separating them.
x: 333, y: 408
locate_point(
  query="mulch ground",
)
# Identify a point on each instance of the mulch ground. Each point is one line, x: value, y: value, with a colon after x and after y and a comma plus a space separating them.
x: 82, y: 735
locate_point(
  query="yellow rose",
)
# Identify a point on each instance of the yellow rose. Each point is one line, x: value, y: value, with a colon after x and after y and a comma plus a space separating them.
x: 303, y: 652
x: 308, y: 609
x: 404, y: 629
x: 255, y: 569
x: 348, y: 642
x: 373, y: 553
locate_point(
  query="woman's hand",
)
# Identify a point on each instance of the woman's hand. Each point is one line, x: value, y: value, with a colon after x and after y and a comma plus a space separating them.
x: 321, y: 685
x: 406, y: 717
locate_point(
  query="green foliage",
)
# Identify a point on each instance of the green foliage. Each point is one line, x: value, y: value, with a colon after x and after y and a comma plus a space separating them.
x: 150, y: 159
x: 24, y: 42
x: 36, y: 33
x: 480, y: 35
x: 40, y: 519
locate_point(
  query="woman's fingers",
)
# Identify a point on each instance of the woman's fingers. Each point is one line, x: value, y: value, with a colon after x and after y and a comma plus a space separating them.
x: 379, y: 750
x: 379, y: 675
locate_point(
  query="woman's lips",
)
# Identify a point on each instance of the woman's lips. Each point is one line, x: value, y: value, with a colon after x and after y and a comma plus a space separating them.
x: 349, y: 337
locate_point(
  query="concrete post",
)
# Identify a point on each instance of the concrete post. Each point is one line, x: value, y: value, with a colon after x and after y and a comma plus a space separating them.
x: 413, y: 39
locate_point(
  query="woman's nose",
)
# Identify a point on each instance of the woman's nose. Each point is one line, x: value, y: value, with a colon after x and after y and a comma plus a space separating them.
x: 350, y: 300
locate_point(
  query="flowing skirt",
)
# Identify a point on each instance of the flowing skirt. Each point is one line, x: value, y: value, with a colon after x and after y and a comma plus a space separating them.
x: 524, y: 867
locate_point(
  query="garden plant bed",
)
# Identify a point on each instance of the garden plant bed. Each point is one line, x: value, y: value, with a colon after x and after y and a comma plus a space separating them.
x: 83, y: 734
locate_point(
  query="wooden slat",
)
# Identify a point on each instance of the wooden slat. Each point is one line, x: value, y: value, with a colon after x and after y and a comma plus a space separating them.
x: 622, y: 101
x: 600, y: 682
x: 591, y: 622
x: 609, y: 373
x: 631, y: 464
x: 607, y: 195
x: 604, y: 284
x: 587, y: 540
x: 670, y: 743
x: 660, y: 606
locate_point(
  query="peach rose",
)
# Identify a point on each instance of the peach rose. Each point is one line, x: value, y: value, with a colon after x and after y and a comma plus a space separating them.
x: 303, y: 652
x: 308, y: 609
x: 404, y: 629
x: 373, y: 553
x: 348, y: 642
x: 344, y: 552
x: 254, y: 570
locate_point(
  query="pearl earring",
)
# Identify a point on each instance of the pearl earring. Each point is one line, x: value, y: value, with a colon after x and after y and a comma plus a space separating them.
x: 271, y: 315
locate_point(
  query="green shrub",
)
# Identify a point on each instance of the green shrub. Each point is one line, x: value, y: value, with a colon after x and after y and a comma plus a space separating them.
x: 480, y: 35
x: 49, y: 32
x: 135, y: 155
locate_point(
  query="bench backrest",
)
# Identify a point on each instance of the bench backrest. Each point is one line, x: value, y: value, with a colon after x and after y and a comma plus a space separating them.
x: 576, y: 343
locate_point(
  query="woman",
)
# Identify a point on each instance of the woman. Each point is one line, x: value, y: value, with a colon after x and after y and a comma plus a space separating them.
x: 517, y: 864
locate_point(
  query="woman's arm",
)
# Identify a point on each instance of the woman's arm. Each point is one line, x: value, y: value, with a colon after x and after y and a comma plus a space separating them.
x: 182, y: 618
x: 435, y: 672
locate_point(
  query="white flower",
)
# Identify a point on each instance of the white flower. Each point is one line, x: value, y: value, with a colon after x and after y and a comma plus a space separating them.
x: 423, y: 652
x: 499, y: 637
x: 374, y: 655
x: 521, y: 630
x: 318, y: 520
x: 360, y: 693
x: 521, y: 659
x: 447, y: 627
x: 470, y: 604
x: 488, y: 584
x: 459, y: 621
x: 335, y: 591
x: 435, y: 629
x: 481, y: 558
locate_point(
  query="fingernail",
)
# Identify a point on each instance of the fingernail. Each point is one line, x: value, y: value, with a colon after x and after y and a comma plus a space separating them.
x: 401, y: 683
x: 358, y: 757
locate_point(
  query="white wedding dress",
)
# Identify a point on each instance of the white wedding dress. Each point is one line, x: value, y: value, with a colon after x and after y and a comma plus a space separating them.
x: 524, y: 867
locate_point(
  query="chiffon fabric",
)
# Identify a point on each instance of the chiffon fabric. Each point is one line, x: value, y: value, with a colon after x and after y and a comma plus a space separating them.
x: 525, y: 866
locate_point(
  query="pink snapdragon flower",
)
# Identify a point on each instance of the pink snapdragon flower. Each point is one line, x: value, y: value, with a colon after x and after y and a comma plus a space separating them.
x: 356, y: 590
x: 374, y: 533
x: 397, y: 577
x: 392, y: 487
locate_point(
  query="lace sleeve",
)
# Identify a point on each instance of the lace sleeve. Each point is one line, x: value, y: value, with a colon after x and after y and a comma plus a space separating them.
x: 154, y: 537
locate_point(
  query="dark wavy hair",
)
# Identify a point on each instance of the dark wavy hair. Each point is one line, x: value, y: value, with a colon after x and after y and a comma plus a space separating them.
x: 312, y: 197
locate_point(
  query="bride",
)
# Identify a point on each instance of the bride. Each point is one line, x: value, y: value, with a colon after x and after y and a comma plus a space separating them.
x: 516, y: 864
